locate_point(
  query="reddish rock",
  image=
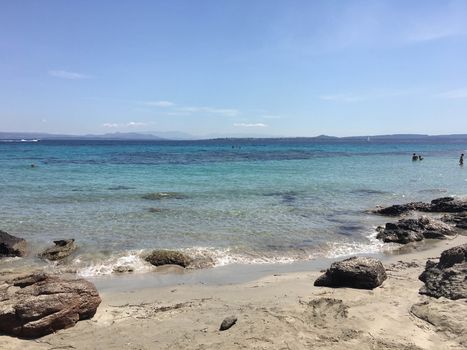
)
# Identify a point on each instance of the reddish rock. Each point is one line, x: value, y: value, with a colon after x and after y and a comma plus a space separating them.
x: 39, y: 304
x: 11, y: 245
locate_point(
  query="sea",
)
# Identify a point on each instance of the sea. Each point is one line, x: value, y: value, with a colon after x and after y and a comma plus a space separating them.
x: 235, y: 201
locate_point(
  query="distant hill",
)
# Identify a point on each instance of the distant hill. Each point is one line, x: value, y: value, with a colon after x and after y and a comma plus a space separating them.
x: 156, y: 136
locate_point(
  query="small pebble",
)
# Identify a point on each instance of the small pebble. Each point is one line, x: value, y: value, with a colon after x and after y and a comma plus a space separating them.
x: 227, y: 323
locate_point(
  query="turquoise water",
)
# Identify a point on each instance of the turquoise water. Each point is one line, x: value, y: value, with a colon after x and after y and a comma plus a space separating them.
x: 250, y: 201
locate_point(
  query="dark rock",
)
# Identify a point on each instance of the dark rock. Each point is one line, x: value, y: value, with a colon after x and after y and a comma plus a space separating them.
x: 11, y: 245
x: 448, y: 205
x: 45, y: 304
x: 156, y: 196
x: 354, y: 272
x: 228, y: 323
x: 168, y: 257
x: 458, y: 219
x: 399, y: 209
x: 62, y: 249
x: 119, y: 188
x: 413, y: 230
x: 448, y: 277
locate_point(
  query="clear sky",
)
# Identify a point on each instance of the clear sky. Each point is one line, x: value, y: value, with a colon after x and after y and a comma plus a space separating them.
x: 289, y: 68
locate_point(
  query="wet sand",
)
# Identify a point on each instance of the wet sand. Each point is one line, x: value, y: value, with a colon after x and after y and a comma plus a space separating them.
x: 282, y: 310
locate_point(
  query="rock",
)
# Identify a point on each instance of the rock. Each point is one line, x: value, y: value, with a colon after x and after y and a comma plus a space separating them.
x: 448, y: 316
x: 399, y: 209
x: 36, y: 305
x: 62, y: 249
x: 168, y: 257
x: 458, y: 219
x: 448, y: 205
x: 447, y: 278
x: 123, y: 269
x: 201, y: 262
x: 438, y: 205
x: 156, y: 196
x: 228, y: 323
x: 11, y: 245
x: 354, y: 272
x: 412, y: 230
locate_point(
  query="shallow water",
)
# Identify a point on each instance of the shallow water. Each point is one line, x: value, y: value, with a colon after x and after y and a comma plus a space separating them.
x: 249, y: 201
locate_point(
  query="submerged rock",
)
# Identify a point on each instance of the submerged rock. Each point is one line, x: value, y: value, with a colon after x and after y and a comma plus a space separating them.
x: 123, y: 269
x: 354, y: 272
x: 61, y: 249
x: 156, y: 196
x: 11, y: 245
x: 168, y: 257
x: 399, y: 209
x: 413, y: 230
x: 438, y: 205
x: 448, y: 277
x: 39, y: 304
x: 201, y: 262
x: 227, y: 323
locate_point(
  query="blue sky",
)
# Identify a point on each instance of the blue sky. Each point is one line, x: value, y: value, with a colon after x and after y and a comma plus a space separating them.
x: 289, y: 68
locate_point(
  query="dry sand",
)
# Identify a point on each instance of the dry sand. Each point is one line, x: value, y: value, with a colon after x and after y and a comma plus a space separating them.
x: 276, y: 312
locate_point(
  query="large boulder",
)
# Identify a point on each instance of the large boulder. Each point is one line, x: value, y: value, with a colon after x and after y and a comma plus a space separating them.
x: 60, y: 250
x: 11, y: 245
x: 354, y: 272
x: 412, y: 230
x: 39, y: 304
x: 168, y: 257
x: 448, y: 277
x: 399, y: 209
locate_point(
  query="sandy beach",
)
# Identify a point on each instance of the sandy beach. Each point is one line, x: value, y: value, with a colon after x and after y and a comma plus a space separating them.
x: 280, y: 311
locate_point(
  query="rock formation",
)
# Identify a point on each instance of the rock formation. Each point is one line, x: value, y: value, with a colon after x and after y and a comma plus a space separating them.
x: 412, y: 230
x: 40, y: 304
x: 11, y: 245
x: 448, y: 277
x: 168, y: 257
x: 62, y: 249
x: 354, y: 272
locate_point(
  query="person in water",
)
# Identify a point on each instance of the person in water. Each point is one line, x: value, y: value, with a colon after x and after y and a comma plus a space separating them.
x: 414, y: 157
x: 461, y: 159
x: 420, y: 157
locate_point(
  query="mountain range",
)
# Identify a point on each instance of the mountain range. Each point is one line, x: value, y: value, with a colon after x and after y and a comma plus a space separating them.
x: 167, y: 136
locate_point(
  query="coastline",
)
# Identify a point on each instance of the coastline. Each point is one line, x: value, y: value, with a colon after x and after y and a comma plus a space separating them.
x: 188, y: 315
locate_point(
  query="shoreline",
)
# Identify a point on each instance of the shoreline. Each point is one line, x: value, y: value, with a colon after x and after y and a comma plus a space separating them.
x: 187, y: 315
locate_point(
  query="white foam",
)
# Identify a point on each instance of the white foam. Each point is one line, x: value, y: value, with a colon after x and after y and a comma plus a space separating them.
x: 344, y: 249
x: 130, y: 259
x: 225, y: 256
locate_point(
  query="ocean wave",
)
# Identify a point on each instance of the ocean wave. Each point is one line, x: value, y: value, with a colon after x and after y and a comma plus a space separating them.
x: 130, y: 261
x: 345, y: 249
x: 133, y: 261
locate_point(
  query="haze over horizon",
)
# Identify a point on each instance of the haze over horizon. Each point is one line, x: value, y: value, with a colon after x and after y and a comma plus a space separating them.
x: 295, y: 68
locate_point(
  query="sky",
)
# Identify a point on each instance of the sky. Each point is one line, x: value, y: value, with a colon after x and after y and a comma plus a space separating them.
x: 225, y: 68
